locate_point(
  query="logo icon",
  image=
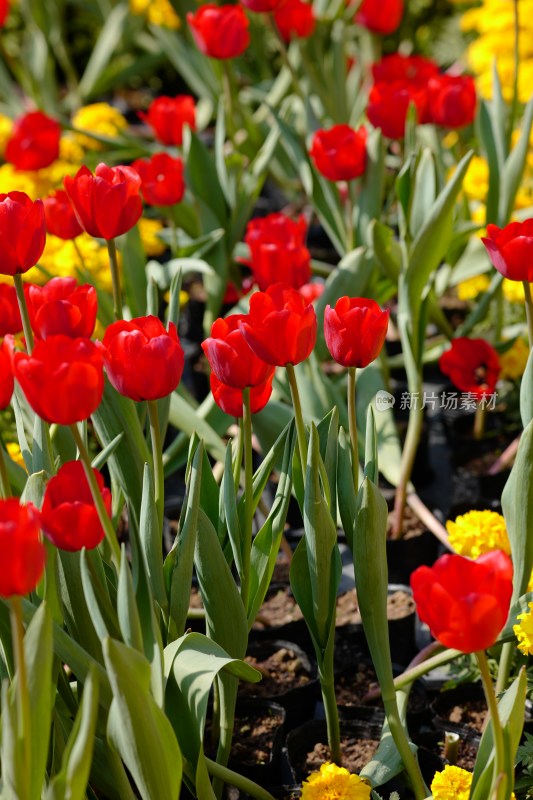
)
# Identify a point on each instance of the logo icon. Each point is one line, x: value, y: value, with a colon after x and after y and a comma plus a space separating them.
x: 384, y: 400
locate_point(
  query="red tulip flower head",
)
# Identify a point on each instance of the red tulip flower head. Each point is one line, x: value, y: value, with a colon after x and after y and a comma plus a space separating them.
x: 465, y: 603
x: 23, y: 553
x: 295, y: 18
x: 4, y: 11
x: 6, y: 376
x: 69, y: 517
x: 340, y: 152
x: 397, y: 67
x: 162, y: 179
x: 34, y: 142
x: 472, y: 365
x: 355, y: 330
x: 511, y: 249
x: 62, y: 306
x: 220, y: 31
x: 452, y: 100
x: 230, y: 400
x: 280, y: 328
x: 10, y: 319
x: 22, y: 232
x: 108, y: 203
x: 388, y: 104
x: 231, y: 358
x: 380, y: 16
x: 63, y: 379
x: 278, y: 251
x: 167, y: 117
x: 143, y: 360
x: 61, y: 221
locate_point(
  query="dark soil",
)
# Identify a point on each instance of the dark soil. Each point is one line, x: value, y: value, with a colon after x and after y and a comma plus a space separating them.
x: 412, y: 527
x: 471, y: 713
x: 282, y: 671
x: 253, y: 739
x: 399, y: 605
x: 278, y: 609
x: 352, y: 686
x: 356, y: 753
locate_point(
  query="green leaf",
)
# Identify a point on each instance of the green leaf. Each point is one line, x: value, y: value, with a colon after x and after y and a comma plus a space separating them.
x: 100, y: 460
x: 189, y: 420
x: 134, y: 271
x: 424, y: 192
x: 517, y: 506
x: 93, y: 580
x: 526, y: 392
x: 370, y: 200
x: 494, y: 158
x: 347, y: 498
x: 150, y: 537
x: 128, y: 614
x: 34, y: 489
x: 229, y: 497
x: 201, y: 177
x: 513, y: 168
x: 78, y: 618
x: 103, y: 50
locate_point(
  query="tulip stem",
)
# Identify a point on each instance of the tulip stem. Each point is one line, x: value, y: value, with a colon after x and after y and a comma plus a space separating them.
x: 103, y: 516
x: 298, y: 416
x: 352, y: 419
x: 412, y: 439
x: 23, y: 307
x: 285, y: 58
x: 157, y: 456
x: 329, y: 699
x: 115, y: 278
x: 500, y: 774
x: 350, y: 242
x: 529, y: 311
x: 239, y: 781
x: 23, y: 699
x: 5, y: 486
x: 248, y: 497
x: 228, y: 92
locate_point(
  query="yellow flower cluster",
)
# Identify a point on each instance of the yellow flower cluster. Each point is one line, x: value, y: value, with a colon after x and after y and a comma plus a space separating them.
x: 513, y: 361
x: 158, y: 12
x: 149, y: 230
x: 478, y: 532
x: 472, y: 287
x: 453, y: 783
x: 334, y: 783
x: 524, y: 631
x: 100, y: 119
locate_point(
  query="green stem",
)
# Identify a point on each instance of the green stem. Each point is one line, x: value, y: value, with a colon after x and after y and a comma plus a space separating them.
x: 238, y: 456
x: 298, y: 416
x: 105, y: 521
x: 26, y: 326
x: 479, y: 420
x: 412, y: 439
x: 248, y: 496
x: 5, y: 486
x: 115, y: 278
x: 239, y: 781
x: 352, y: 419
x: 332, y: 718
x: 227, y: 80
x: 157, y: 457
x: 500, y: 773
x: 79, y: 254
x: 174, y: 234
x: 349, y: 220
x: 402, y: 743
x: 23, y: 698
x: 227, y: 723
x: 504, y: 666
x: 529, y: 311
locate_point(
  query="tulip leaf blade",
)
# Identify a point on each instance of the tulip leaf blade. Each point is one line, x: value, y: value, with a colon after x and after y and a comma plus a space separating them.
x: 150, y: 538
x: 517, y: 506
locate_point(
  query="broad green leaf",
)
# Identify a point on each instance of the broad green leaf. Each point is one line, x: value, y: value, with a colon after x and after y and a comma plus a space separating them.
x: 202, y: 178
x: 100, y: 608
x: 134, y: 271
x: 150, y: 536
x: 526, y: 393
x: 188, y: 420
x: 34, y: 489
x: 104, y: 48
x: 494, y: 158
x: 517, y: 505
x: 424, y: 192
x: 128, y: 614
x: 78, y: 618
x: 370, y: 200
x: 229, y: 498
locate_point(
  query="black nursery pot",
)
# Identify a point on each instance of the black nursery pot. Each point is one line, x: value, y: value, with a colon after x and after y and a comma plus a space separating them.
x: 446, y: 707
x: 268, y: 770
x: 407, y: 554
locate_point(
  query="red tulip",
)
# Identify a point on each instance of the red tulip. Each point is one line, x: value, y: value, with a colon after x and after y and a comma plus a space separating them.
x: 69, y: 517
x: 106, y: 204
x: 388, y: 104
x: 380, y: 16
x: 295, y: 18
x: 355, y: 330
x: 397, y: 67
x: 22, y: 232
x: 511, y: 249
x: 220, y: 31
x: 464, y: 602
x: 34, y: 142
x: 231, y: 358
x: 143, y: 360
x: 162, y: 179
x: 63, y: 379
x: 230, y: 399
x: 62, y: 306
x: 263, y: 6
x: 10, y: 319
x: 340, y: 152
x: 311, y: 291
x: 61, y: 221
x: 6, y: 376
x: 23, y: 553
x: 452, y: 100
x: 277, y: 249
x: 4, y: 11
x: 167, y: 116
x: 472, y: 365
x: 280, y: 328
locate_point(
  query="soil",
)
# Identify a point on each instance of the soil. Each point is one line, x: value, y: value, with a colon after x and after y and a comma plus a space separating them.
x: 356, y: 753
x: 466, y: 755
x: 352, y: 686
x: 412, y: 527
x: 278, y: 609
x: 400, y: 604
x: 471, y: 713
x: 282, y: 671
x: 253, y: 738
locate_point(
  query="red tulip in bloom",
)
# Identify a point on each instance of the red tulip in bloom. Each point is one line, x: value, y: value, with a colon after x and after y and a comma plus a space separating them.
x: 278, y: 251
x: 162, y: 179
x: 295, y: 18
x: 388, y: 104
x: 396, y: 67
x: 143, y: 360
x: 10, y: 319
x: 380, y: 16
x: 69, y: 517
x: 63, y: 379
x: 472, y: 365
x: 34, y: 142
x: 511, y: 249
x: 108, y: 203
x: 340, y: 153
x: 231, y: 358
x: 452, y: 100
x: 220, y: 31
x: 22, y: 232
x: 23, y: 553
x: 464, y: 602
x: 280, y: 328
x: 6, y: 376
x: 355, y: 330
x: 62, y: 306
x: 4, y: 11
x: 230, y: 399
x: 167, y: 116
x: 60, y: 218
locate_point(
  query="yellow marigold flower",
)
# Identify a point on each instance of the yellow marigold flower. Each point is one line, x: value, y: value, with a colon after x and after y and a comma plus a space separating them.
x: 334, y: 783
x: 513, y: 291
x: 453, y: 783
x: 6, y: 126
x: 158, y: 12
x: 472, y: 287
x: 476, y: 182
x: 15, y: 454
x: 36, y: 183
x: 524, y: 631
x: 478, y: 532
x: 101, y: 119
x: 149, y: 230
x: 62, y: 258
x: 513, y: 361
x: 70, y: 150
